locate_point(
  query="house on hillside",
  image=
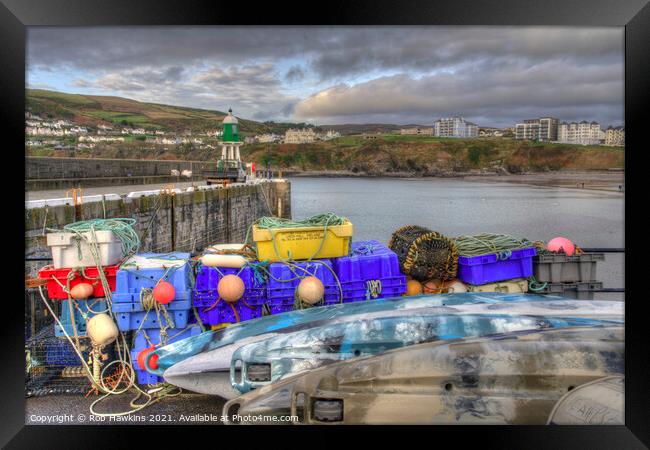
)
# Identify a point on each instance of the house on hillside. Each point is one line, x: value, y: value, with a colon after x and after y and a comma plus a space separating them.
x: 301, y: 136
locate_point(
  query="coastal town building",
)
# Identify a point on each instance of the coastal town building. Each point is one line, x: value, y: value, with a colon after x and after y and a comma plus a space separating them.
x: 267, y: 138
x: 455, y: 127
x: 582, y: 133
x: 329, y: 135
x: 490, y: 132
x: 542, y: 129
x: 92, y: 138
x: 300, y: 136
x: 417, y: 131
x: 615, y: 136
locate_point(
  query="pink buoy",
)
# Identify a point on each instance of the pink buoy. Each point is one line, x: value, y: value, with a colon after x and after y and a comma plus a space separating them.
x: 561, y: 244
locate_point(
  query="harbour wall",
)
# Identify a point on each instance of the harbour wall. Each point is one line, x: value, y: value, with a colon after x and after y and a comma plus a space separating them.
x: 43, y: 173
x: 186, y: 221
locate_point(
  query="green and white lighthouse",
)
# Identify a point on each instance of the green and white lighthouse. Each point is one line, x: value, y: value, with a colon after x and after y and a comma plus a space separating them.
x: 230, y: 140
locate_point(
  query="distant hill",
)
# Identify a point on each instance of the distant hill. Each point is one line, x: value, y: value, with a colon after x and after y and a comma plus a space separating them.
x: 354, y: 128
x: 92, y: 110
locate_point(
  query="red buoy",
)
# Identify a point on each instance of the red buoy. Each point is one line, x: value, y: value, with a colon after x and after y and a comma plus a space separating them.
x: 164, y: 292
x: 143, y: 354
x: 561, y: 244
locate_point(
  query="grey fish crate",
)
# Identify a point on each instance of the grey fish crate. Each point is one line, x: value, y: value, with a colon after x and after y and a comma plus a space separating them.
x: 578, y: 291
x: 560, y: 268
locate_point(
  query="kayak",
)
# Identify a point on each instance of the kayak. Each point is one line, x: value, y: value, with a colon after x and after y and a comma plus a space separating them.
x: 208, y: 372
x: 172, y: 354
x: 281, y: 356
x: 511, y: 378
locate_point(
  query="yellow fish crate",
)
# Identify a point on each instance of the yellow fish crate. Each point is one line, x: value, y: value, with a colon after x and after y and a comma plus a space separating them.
x: 514, y: 286
x: 283, y: 244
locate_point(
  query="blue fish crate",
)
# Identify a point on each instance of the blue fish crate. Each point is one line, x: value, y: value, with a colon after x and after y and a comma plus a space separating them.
x: 140, y: 343
x: 207, y: 280
x: 370, y: 271
x: 90, y: 307
x: 214, y: 312
x: 374, y: 289
x: 280, y: 309
x: 493, y: 267
x: 283, y: 281
x: 133, y: 316
x: 131, y: 279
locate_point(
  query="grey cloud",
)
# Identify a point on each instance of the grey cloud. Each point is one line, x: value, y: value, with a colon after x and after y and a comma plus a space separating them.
x: 295, y: 73
x: 498, y: 94
x: 253, y: 90
x: 494, y: 75
x: 330, y: 51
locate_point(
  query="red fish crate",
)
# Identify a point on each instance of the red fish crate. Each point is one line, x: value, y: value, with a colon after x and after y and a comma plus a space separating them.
x: 57, y: 279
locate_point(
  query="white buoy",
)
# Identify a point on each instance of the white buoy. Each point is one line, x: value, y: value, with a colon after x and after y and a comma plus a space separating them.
x: 102, y: 330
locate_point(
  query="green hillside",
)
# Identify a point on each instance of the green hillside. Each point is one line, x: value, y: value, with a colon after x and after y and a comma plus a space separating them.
x: 421, y: 156
x: 93, y: 110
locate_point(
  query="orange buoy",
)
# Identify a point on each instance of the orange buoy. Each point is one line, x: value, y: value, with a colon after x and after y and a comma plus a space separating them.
x: 413, y: 287
x: 231, y: 288
x: 164, y: 292
x: 432, y: 287
x: 311, y: 290
x: 82, y: 291
x: 142, y: 355
x: 561, y: 244
x: 142, y: 358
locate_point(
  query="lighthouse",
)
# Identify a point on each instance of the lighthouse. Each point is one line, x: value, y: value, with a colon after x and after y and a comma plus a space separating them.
x: 230, y: 144
x: 229, y: 167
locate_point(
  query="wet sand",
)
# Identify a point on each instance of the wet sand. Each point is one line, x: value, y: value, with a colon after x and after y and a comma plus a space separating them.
x: 613, y: 181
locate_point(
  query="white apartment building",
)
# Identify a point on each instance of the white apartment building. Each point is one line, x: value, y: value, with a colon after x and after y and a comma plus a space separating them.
x: 302, y: 136
x: 542, y: 129
x: 455, y: 127
x: 615, y: 136
x: 416, y: 131
x: 583, y: 133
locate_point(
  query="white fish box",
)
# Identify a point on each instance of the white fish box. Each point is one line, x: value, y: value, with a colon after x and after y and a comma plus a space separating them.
x: 70, y: 250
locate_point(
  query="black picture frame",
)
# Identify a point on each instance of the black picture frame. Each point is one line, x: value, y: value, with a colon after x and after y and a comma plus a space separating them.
x: 634, y: 15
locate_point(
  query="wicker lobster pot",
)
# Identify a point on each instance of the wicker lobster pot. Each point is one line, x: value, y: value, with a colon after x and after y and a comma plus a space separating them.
x: 424, y: 254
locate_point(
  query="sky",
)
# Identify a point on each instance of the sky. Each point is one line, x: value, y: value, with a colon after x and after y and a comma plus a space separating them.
x: 493, y: 76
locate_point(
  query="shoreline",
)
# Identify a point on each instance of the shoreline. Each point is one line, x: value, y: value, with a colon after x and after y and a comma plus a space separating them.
x: 602, y: 180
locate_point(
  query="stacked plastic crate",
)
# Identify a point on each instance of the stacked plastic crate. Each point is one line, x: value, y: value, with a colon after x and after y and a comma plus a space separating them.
x: 135, y: 309
x: 73, y: 264
x: 215, y: 312
x: 284, y: 279
x: 505, y: 271
x: 370, y: 271
x: 569, y: 276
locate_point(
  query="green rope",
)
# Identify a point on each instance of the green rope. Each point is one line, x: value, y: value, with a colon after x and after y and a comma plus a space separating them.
x: 122, y: 228
x: 535, y: 285
x: 485, y: 243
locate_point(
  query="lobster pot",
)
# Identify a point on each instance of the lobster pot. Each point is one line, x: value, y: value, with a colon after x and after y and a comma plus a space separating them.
x: 424, y: 254
x: 53, y: 367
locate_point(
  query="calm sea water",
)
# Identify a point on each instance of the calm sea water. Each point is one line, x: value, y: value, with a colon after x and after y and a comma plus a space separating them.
x: 453, y: 207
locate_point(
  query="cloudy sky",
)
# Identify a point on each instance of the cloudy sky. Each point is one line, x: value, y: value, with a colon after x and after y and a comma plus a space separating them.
x: 494, y: 76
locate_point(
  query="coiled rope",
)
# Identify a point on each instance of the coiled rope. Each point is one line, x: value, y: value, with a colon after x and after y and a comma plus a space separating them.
x: 121, y: 227
x: 487, y: 243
